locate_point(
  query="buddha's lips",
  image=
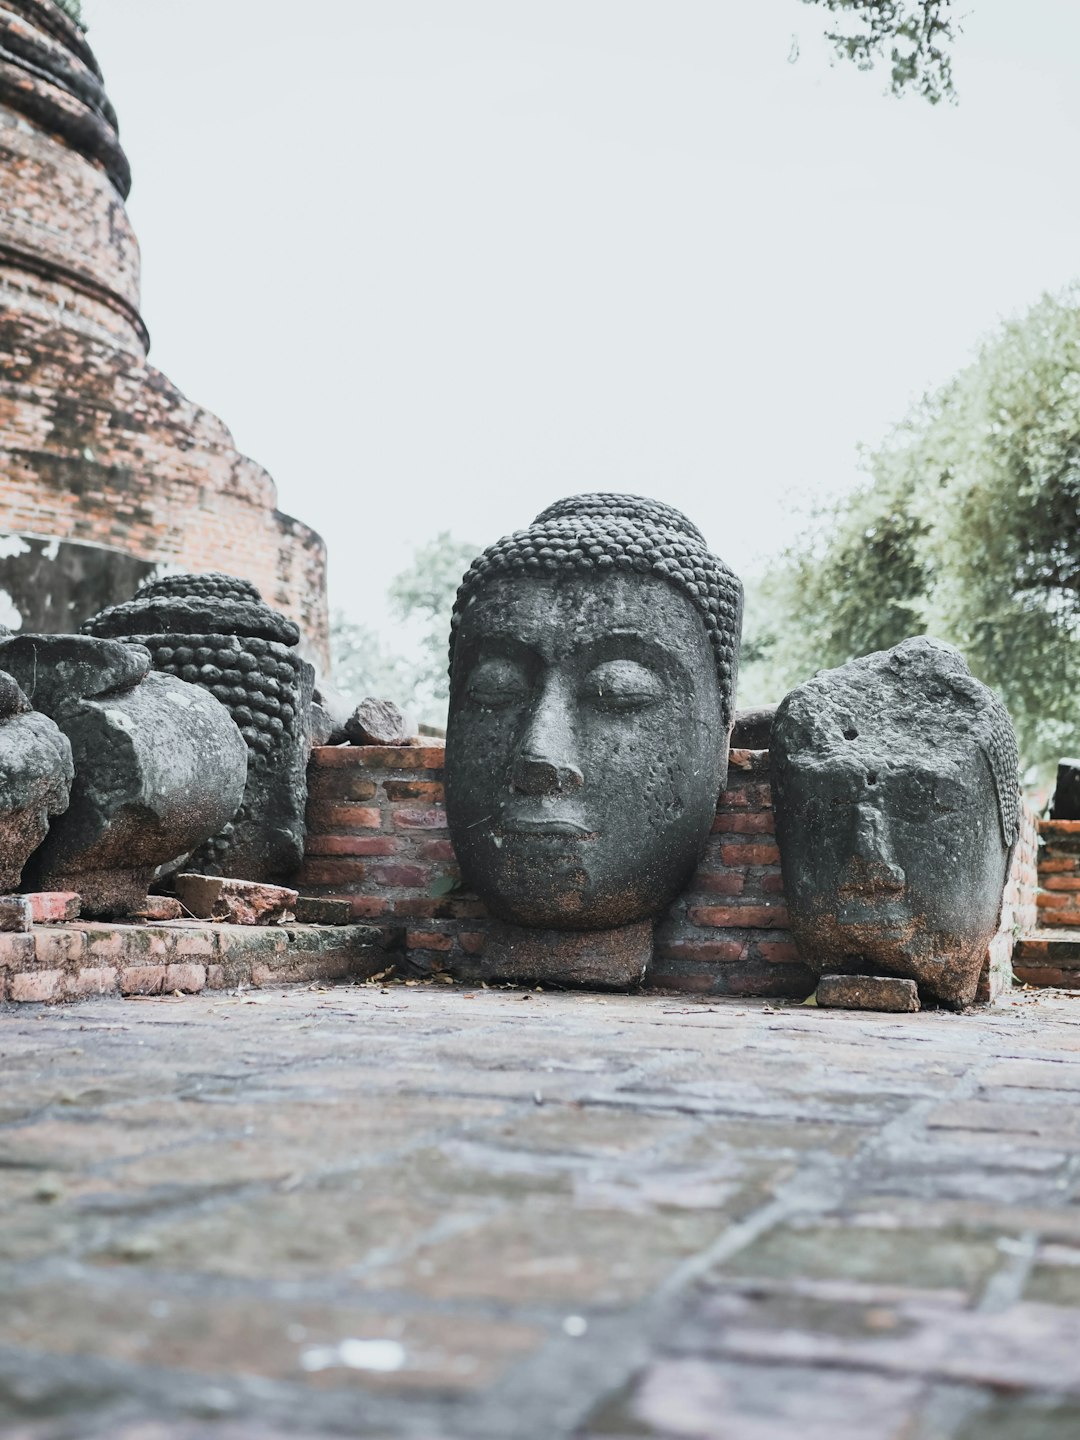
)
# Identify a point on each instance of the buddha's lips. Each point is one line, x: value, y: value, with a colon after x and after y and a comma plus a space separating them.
x: 557, y: 829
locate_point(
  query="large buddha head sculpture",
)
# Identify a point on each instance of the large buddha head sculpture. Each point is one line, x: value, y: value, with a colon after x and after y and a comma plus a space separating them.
x: 897, y: 806
x: 593, y: 662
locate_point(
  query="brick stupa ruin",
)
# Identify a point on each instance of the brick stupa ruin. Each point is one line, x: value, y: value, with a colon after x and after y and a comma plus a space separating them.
x: 107, y: 472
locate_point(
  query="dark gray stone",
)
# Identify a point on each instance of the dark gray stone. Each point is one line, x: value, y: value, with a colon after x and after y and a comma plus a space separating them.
x: 378, y: 722
x: 1066, y: 805
x: 752, y: 728
x: 322, y: 727
x: 157, y: 767
x: 897, y: 806
x: 337, y: 706
x: 215, y: 631
x: 35, y: 779
x: 593, y: 666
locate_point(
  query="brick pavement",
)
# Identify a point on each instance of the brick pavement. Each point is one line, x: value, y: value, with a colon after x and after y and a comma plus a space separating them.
x: 450, y: 1214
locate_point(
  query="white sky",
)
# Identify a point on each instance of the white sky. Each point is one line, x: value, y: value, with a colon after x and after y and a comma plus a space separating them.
x: 438, y: 262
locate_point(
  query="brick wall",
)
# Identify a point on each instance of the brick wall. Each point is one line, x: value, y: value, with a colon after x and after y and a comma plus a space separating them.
x: 1059, y: 873
x: 377, y: 836
x: 97, y: 447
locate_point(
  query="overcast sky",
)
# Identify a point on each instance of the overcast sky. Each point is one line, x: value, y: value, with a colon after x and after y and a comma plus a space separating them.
x: 438, y: 262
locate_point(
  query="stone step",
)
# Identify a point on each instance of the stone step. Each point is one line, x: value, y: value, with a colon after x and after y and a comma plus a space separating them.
x: 1048, y: 957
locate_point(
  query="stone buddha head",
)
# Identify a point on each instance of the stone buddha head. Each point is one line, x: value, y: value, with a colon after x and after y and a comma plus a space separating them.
x: 897, y: 806
x: 593, y: 662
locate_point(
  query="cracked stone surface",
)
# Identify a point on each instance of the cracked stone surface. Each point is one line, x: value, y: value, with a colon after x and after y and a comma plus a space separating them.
x: 453, y: 1214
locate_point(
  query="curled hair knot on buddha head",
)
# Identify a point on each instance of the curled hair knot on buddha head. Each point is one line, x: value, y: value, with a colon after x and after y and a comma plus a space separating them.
x: 608, y: 533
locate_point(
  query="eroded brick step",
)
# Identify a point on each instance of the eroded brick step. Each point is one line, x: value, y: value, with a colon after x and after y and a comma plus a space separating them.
x: 76, y: 961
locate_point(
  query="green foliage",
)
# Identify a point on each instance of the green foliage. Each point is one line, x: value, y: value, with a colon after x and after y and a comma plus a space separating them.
x: 422, y: 597
x: 72, y: 8
x: 967, y: 527
x: 914, y: 35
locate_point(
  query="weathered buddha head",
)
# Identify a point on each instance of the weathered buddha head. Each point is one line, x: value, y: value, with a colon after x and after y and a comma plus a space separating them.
x: 897, y: 807
x: 593, y: 667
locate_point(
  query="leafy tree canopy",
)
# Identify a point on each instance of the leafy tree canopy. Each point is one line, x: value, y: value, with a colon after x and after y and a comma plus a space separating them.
x: 914, y: 37
x: 72, y: 8
x: 966, y: 527
x: 422, y: 597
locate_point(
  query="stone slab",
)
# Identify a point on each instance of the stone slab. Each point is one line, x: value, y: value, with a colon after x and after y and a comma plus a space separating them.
x: 439, y: 1211
x: 867, y: 992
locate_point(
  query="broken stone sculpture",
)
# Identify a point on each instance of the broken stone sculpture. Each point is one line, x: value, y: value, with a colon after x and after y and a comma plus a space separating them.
x: 1066, y: 805
x: 158, y: 766
x: 215, y: 631
x: 593, y: 667
x: 35, y: 779
x: 897, y: 806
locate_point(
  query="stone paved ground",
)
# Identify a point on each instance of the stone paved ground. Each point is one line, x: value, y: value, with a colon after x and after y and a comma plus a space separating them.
x: 457, y: 1214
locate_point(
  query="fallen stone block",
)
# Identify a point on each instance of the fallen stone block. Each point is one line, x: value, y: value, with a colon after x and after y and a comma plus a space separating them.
x: 238, y: 902
x: 316, y: 910
x: 867, y: 992
x: 378, y: 722
x: 15, y: 912
x: 50, y: 907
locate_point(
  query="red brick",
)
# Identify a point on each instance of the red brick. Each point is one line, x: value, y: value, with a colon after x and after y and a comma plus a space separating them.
x: 348, y: 873
x: 1068, y: 918
x: 1051, y: 900
x: 429, y: 790
x: 723, y: 951
x: 325, y: 816
x: 736, y: 855
x: 719, y: 882
x: 472, y: 941
x: 21, y: 950
x: 393, y: 757
x: 90, y: 981
x: 737, y: 917
x: 744, y: 822
x: 39, y: 986
x: 427, y: 940
x: 142, y: 979
x: 189, y: 979
x: 54, y: 905
x: 352, y: 845
x: 1062, y: 882
x: 404, y: 818
x: 407, y: 877
x: 776, y: 952
x: 1058, y: 864
x: 368, y: 907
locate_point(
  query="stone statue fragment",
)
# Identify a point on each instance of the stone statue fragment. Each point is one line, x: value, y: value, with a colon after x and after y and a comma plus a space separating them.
x: 593, y: 668
x: 897, y: 807
x: 35, y: 779
x: 158, y: 766
x: 1066, y: 803
x: 215, y: 631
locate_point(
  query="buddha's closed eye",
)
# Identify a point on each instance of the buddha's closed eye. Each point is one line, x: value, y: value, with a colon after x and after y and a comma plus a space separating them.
x: 497, y: 682
x: 622, y: 685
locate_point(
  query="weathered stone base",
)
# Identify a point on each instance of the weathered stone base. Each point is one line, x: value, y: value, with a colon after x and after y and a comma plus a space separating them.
x: 593, y: 959
x: 73, y: 962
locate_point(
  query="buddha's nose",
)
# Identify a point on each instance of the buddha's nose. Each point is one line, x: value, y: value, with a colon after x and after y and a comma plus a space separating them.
x: 544, y: 763
x: 872, y: 847
x: 533, y: 775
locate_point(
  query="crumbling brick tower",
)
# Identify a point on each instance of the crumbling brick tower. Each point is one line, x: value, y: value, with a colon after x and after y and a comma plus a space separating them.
x: 107, y: 472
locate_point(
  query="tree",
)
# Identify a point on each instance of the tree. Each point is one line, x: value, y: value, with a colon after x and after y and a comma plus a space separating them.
x: 72, y: 8
x: 967, y: 527
x: 914, y: 35
x: 422, y: 598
